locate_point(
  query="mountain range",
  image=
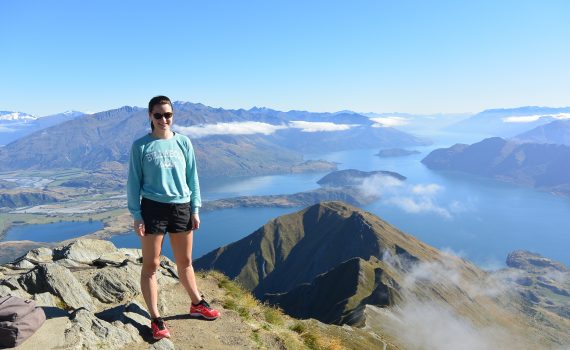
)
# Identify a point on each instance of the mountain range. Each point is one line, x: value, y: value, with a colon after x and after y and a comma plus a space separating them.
x: 223, y: 148
x: 15, y: 125
x: 557, y: 132
x: 542, y: 166
x: 509, y: 122
x: 341, y: 265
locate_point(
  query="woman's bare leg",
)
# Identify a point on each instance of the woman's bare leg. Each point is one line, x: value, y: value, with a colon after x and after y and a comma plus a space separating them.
x: 151, y: 247
x: 182, y: 248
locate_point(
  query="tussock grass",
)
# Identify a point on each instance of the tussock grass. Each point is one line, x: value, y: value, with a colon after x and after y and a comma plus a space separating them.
x: 314, y: 340
x: 273, y: 315
x: 294, y: 334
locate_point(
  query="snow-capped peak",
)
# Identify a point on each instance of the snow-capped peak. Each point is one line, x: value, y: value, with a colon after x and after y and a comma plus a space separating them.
x: 16, y: 116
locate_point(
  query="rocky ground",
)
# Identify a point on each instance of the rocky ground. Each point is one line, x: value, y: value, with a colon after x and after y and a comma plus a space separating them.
x: 91, y: 295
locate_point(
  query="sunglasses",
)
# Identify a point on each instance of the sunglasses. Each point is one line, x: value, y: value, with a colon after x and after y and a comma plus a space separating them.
x: 166, y: 115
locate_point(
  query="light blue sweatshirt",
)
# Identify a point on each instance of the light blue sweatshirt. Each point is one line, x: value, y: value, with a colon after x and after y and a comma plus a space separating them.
x: 162, y: 170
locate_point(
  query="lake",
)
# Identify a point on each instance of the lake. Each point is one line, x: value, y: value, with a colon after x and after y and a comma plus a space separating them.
x: 54, y: 232
x: 478, y: 219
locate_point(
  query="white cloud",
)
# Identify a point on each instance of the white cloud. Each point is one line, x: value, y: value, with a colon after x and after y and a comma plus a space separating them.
x: 422, y: 321
x: 533, y: 118
x: 250, y: 128
x: 430, y: 189
x: 236, y: 128
x: 319, y: 126
x: 419, y: 205
x: 388, y: 122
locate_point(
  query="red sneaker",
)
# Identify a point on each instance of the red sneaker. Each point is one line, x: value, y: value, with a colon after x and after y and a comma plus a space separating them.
x: 203, y: 309
x: 159, y: 329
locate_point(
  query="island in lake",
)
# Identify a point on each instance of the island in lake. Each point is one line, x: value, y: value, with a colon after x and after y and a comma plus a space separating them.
x: 395, y: 152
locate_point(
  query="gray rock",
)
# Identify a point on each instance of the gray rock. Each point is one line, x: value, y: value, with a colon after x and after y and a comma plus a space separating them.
x: 59, y: 281
x: 11, y: 282
x: 169, y: 267
x: 70, y: 264
x: 163, y: 344
x: 89, y: 332
x: 132, y: 314
x: 5, y: 290
x: 84, y: 250
x: 111, y: 259
x: 165, y: 280
x: 116, y: 284
x: 23, y: 264
x: 132, y: 254
x: 47, y: 299
x: 39, y: 255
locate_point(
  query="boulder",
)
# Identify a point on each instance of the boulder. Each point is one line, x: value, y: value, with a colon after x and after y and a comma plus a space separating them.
x: 59, y: 281
x: 133, y: 314
x: 89, y: 332
x: 111, y: 259
x: 39, y: 255
x: 132, y: 254
x: 116, y: 284
x: 162, y: 344
x: 84, y: 250
x: 47, y: 299
x: 23, y: 264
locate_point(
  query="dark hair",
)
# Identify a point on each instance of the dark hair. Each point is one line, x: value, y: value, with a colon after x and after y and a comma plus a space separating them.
x: 157, y: 100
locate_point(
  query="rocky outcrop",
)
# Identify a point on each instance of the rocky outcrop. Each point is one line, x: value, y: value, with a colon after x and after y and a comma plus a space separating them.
x: 533, y: 262
x: 114, y: 317
x: 59, y: 281
x: 91, y: 285
x: 543, y: 283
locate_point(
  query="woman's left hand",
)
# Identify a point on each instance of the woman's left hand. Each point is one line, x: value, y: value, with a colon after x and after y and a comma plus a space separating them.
x: 195, y: 221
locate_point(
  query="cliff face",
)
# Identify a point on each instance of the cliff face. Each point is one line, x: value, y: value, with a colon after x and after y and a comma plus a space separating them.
x: 341, y: 265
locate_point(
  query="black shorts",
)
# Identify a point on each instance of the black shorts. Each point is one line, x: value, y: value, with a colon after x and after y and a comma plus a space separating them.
x: 165, y: 217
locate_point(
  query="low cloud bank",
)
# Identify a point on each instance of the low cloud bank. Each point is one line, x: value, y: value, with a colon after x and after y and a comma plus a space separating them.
x: 388, y: 122
x: 533, y: 118
x: 237, y: 128
x: 319, y: 126
x: 250, y: 128
x: 413, y: 199
x: 426, y: 323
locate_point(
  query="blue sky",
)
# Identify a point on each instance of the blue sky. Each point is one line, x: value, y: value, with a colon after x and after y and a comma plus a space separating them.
x: 368, y: 56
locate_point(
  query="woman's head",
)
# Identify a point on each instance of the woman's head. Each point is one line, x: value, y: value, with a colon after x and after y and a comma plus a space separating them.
x: 160, y: 112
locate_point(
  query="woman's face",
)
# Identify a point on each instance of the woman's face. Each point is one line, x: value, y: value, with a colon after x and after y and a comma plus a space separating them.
x: 162, y: 123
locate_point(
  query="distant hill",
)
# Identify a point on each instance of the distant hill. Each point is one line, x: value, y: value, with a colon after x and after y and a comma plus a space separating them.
x: 508, y: 122
x: 353, y: 177
x: 15, y: 125
x: 396, y: 152
x: 557, y: 132
x: 542, y: 166
x: 341, y: 265
x: 103, y: 140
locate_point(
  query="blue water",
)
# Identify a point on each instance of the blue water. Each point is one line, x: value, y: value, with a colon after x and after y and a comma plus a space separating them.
x: 54, y: 232
x: 217, y: 228
x: 479, y: 219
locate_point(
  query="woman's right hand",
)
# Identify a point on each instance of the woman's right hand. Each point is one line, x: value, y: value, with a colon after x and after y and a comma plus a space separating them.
x: 138, y: 225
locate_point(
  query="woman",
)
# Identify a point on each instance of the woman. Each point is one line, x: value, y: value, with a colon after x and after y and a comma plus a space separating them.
x: 162, y: 170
